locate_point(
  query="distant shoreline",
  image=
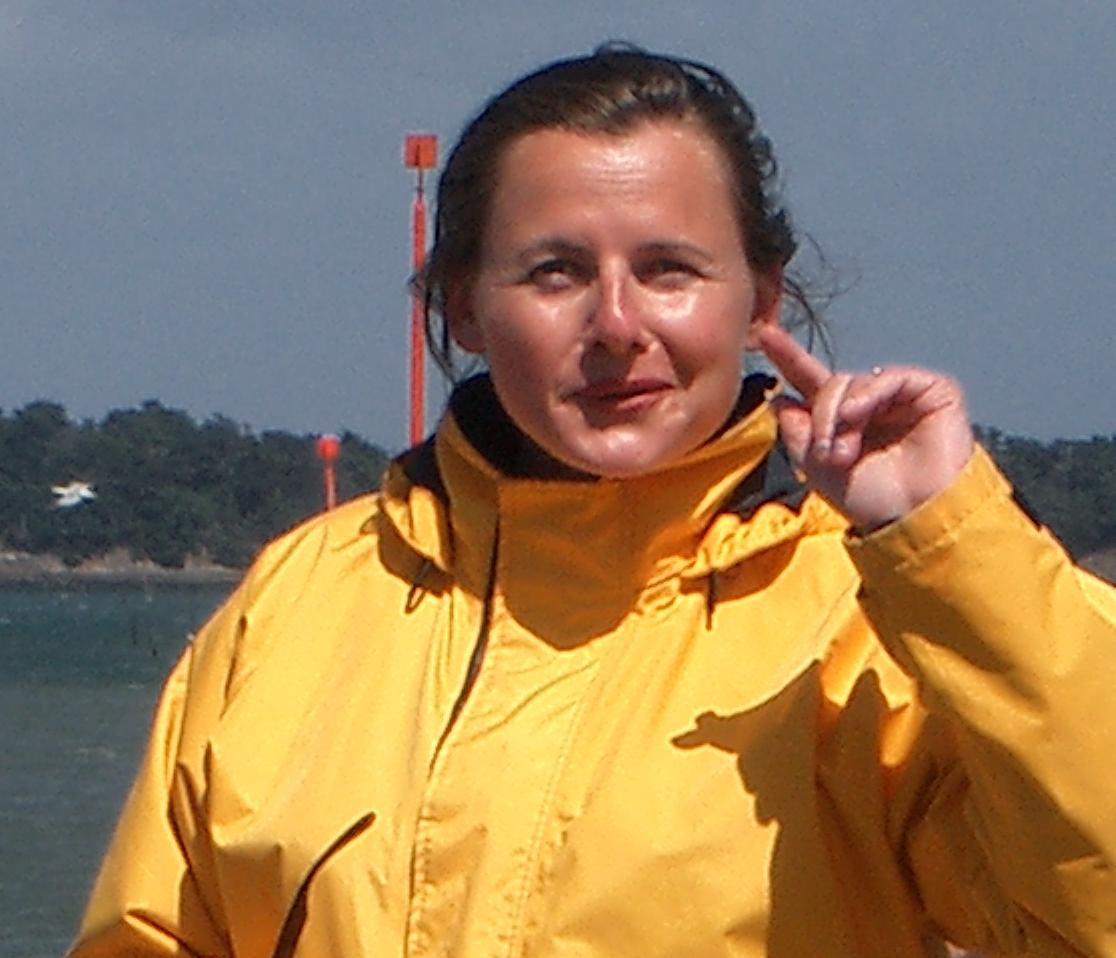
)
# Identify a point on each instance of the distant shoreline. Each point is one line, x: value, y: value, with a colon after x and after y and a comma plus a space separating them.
x: 116, y: 568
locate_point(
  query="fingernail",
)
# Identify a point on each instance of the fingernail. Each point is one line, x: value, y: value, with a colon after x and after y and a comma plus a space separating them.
x: 822, y: 447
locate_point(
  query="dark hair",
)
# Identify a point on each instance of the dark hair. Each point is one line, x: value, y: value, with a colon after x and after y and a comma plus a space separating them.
x: 612, y: 91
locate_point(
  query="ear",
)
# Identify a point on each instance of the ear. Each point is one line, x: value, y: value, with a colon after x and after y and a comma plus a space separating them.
x: 462, y: 321
x: 767, y: 308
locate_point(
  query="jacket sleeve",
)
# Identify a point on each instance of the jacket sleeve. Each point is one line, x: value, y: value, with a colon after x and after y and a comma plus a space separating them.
x: 154, y: 895
x: 1013, y: 850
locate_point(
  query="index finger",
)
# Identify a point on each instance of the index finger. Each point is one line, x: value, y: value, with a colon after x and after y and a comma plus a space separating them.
x: 803, y: 370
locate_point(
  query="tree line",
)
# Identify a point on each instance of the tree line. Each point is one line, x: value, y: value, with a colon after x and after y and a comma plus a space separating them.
x: 1067, y: 484
x: 169, y: 487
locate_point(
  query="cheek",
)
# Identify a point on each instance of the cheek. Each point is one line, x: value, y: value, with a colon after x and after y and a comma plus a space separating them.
x: 529, y: 334
x: 524, y: 360
x: 709, y: 336
x: 515, y: 359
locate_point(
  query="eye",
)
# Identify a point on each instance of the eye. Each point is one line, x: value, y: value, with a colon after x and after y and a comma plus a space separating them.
x: 552, y: 275
x: 667, y: 272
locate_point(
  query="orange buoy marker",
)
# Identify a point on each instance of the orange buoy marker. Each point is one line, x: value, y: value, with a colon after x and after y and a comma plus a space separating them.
x: 420, y: 153
x: 328, y: 448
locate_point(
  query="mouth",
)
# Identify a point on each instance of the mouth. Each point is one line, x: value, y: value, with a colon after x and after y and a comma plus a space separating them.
x: 622, y: 394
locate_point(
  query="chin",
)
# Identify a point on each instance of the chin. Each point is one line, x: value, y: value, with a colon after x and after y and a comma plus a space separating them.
x: 626, y: 465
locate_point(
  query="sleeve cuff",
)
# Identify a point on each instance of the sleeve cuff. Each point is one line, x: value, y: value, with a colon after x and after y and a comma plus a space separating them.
x: 938, y: 521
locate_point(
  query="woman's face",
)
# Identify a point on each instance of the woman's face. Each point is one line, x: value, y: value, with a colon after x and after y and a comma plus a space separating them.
x: 613, y: 300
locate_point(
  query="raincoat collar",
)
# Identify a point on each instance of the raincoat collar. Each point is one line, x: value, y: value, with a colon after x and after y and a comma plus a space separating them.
x: 457, y: 496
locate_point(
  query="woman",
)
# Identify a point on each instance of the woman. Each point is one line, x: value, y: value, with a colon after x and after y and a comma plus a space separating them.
x: 595, y: 673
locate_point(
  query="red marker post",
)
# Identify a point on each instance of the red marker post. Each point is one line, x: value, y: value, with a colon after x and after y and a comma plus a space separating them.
x: 328, y: 448
x: 420, y: 153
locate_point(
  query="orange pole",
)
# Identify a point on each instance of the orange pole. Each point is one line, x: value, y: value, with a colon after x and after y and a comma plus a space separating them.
x: 420, y: 153
x: 418, y: 331
x: 330, y: 479
x: 328, y: 448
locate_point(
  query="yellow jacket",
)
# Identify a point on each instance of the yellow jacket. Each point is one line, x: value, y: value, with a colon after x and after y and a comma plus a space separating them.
x: 479, y: 715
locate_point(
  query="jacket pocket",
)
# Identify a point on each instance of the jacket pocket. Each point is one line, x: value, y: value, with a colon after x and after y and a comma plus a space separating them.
x: 291, y: 929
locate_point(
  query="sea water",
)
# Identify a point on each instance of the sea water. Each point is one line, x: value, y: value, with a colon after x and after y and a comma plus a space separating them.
x: 80, y: 670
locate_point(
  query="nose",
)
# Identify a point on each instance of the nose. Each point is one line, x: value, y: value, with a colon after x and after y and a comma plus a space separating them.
x: 616, y: 322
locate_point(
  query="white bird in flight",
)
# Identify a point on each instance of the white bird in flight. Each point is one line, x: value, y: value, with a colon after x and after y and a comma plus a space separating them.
x: 72, y: 494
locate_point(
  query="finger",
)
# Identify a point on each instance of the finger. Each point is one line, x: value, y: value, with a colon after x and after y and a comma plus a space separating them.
x: 917, y: 391
x: 794, y: 428
x: 796, y: 431
x: 804, y: 371
x: 875, y: 408
x: 827, y: 422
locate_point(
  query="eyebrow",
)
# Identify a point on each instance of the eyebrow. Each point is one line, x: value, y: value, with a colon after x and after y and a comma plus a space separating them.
x: 675, y: 247
x: 563, y: 247
x: 551, y: 245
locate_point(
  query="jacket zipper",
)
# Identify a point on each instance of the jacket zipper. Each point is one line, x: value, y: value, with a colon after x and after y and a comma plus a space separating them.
x: 479, y: 646
x: 291, y: 929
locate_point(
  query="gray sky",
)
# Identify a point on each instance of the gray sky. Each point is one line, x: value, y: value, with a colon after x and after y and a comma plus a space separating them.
x: 203, y: 201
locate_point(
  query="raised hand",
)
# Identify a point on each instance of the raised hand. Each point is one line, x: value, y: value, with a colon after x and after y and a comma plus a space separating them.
x: 875, y: 444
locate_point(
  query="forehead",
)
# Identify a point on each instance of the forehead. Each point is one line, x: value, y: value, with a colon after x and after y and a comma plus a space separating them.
x: 662, y: 166
x: 680, y: 136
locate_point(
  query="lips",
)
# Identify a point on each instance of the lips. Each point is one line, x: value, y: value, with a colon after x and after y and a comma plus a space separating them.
x: 621, y: 391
